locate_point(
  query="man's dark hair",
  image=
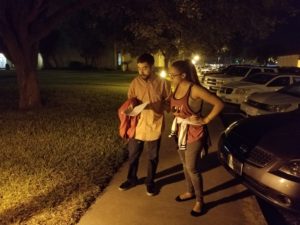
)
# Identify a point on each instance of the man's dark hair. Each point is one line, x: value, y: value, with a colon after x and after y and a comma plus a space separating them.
x: 146, y: 58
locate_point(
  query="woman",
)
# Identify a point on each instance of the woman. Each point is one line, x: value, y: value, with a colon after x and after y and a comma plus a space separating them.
x: 189, y: 127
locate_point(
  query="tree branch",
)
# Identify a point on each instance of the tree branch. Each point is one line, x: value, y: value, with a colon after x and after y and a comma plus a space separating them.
x: 38, y: 6
x: 42, y: 29
x: 3, y: 23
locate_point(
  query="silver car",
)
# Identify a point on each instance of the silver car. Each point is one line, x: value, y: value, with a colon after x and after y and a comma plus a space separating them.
x: 264, y: 152
x: 284, y: 100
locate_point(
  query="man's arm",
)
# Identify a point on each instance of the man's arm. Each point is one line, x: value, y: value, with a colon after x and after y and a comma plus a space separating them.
x: 131, y: 92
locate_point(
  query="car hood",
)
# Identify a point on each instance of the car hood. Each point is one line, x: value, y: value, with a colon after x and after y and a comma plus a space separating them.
x: 221, y: 75
x: 274, y: 98
x: 275, y: 133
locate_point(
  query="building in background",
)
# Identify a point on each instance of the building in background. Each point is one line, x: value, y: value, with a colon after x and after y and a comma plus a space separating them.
x: 5, y: 63
x: 289, y: 60
x: 128, y: 62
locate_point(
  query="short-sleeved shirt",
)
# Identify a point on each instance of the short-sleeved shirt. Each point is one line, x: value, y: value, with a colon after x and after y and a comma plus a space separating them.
x: 157, y: 91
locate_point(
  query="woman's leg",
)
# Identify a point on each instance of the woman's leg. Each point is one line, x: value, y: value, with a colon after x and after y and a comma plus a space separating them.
x: 192, y: 160
x: 188, y: 182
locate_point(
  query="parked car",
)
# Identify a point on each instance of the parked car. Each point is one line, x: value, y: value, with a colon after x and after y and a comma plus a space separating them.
x: 235, y: 73
x: 289, y: 70
x: 237, y: 92
x: 202, y: 72
x: 284, y: 100
x: 263, y: 152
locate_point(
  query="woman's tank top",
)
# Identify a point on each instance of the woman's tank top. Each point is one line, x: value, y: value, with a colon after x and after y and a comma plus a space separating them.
x: 181, y: 106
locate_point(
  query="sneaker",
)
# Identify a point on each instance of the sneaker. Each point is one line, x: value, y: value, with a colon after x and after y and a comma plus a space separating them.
x: 150, y: 190
x: 127, y: 185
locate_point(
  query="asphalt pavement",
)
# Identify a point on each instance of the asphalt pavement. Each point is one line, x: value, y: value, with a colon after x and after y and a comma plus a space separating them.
x: 228, y: 201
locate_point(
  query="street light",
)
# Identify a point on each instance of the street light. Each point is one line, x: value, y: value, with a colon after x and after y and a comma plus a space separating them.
x: 195, y: 59
x: 163, y: 74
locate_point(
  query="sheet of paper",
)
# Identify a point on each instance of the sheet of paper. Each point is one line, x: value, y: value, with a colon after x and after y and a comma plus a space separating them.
x: 136, y: 110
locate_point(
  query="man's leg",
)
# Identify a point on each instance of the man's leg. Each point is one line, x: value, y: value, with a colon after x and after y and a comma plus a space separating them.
x: 152, y: 148
x: 135, y: 148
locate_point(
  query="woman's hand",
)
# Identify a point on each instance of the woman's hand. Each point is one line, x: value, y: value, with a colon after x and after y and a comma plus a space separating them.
x: 199, y: 120
x: 196, y: 119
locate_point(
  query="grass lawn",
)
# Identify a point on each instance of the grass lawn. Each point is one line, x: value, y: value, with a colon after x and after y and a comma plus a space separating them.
x: 56, y: 160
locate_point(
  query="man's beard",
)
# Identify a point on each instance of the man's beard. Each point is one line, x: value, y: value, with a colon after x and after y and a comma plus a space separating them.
x: 145, y: 77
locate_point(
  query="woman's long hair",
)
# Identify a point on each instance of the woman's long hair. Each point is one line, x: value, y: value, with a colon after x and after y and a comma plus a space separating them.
x: 187, y: 67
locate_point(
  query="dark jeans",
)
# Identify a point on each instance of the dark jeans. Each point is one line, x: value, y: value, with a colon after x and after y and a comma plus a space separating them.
x: 190, y: 159
x: 135, y: 148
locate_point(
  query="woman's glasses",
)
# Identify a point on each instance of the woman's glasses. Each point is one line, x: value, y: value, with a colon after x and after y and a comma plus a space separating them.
x: 174, y: 75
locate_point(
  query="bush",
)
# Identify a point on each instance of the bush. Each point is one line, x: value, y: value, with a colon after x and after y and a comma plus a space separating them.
x: 76, y: 65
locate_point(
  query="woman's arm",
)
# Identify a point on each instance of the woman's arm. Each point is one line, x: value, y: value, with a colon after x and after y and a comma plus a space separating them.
x: 198, y: 92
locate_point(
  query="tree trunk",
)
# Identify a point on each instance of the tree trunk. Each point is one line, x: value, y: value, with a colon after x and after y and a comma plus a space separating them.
x: 28, y: 87
x: 29, y: 92
x: 166, y: 61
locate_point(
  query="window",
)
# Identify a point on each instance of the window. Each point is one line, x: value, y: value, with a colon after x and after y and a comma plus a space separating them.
x: 281, y: 81
x: 269, y: 71
x: 259, y: 78
x: 119, y: 59
x: 296, y: 79
x: 237, y: 71
x: 253, y: 71
x: 293, y: 90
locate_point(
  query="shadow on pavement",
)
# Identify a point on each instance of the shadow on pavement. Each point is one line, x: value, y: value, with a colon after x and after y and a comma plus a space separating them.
x: 231, y: 198
x: 223, y: 186
x: 174, y: 169
x: 208, y: 163
x: 271, y: 214
x: 167, y: 180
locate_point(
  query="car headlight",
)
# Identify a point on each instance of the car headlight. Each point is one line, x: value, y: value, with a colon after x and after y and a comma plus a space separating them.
x: 278, y: 108
x: 230, y: 127
x: 241, y: 91
x: 291, y: 168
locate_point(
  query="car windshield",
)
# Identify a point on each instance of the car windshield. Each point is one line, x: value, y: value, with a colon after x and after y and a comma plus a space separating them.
x: 224, y: 70
x: 259, y: 78
x: 293, y: 90
x: 237, y: 71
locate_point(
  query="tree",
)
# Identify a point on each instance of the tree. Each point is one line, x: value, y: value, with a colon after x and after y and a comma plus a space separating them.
x: 185, y: 26
x: 232, y: 23
x: 152, y: 26
x: 23, y: 23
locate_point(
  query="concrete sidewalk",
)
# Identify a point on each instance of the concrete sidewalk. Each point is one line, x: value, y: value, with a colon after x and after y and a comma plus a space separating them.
x: 229, y: 202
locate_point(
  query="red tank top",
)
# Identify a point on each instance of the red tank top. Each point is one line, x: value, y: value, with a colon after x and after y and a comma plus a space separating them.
x: 181, y: 106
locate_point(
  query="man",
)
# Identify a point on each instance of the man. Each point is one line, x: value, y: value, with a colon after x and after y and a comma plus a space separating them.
x: 147, y: 87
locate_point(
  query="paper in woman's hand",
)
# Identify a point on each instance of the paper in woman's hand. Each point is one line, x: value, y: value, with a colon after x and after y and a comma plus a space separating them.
x: 136, y: 110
